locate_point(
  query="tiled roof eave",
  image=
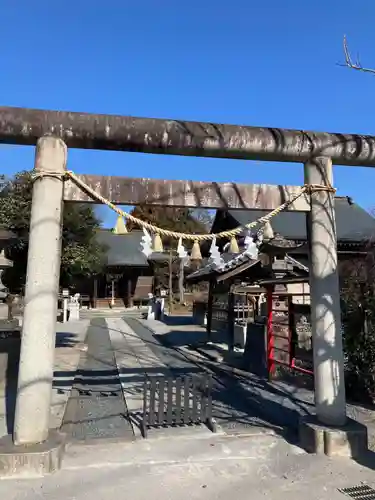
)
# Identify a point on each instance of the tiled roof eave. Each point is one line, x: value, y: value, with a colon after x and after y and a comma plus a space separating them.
x: 211, y: 270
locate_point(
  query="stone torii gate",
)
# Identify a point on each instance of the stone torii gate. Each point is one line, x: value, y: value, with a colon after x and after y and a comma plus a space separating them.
x: 53, y: 132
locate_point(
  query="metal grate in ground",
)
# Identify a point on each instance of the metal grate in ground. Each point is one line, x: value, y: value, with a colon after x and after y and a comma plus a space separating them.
x: 359, y: 492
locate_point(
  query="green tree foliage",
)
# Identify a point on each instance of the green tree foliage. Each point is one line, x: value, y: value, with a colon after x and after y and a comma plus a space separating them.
x: 358, y: 314
x: 81, y: 256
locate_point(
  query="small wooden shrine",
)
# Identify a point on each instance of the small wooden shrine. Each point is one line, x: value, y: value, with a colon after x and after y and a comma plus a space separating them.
x: 272, y: 291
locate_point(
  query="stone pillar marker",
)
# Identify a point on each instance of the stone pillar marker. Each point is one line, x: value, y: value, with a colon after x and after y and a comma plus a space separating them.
x: 35, y: 378
x: 328, y: 354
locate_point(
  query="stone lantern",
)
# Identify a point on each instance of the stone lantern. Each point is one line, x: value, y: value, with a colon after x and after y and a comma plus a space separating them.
x: 5, y: 238
x: 10, y: 337
x: 7, y: 323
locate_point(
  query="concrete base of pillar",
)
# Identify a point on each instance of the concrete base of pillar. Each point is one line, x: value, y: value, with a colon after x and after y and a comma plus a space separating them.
x: 34, y: 460
x: 348, y: 441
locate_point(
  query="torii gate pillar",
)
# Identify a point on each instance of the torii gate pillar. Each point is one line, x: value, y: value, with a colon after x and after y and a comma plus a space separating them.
x: 330, y: 432
x: 325, y: 298
x: 35, y: 375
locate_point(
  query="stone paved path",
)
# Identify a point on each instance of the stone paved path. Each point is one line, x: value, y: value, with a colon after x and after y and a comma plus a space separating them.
x: 253, y: 401
x: 108, y: 399
x: 70, y: 341
x: 233, y: 409
x: 97, y: 408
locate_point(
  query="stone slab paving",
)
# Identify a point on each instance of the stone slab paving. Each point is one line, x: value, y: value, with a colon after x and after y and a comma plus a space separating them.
x: 231, y: 410
x: 136, y: 348
x: 134, y: 360
x: 209, y: 468
x: 138, y: 355
x: 97, y: 408
x: 106, y: 312
x: 274, y: 405
x: 163, y: 354
x: 70, y: 342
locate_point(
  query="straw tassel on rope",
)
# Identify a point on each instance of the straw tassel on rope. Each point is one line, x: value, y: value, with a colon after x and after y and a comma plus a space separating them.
x: 233, y: 246
x: 268, y: 233
x: 196, y: 251
x: 158, y: 243
x: 120, y: 227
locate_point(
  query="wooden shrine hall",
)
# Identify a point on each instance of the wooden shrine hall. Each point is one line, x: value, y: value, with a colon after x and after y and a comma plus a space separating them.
x: 128, y: 274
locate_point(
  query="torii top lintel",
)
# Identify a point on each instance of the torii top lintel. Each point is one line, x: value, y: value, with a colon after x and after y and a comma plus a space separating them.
x: 177, y: 137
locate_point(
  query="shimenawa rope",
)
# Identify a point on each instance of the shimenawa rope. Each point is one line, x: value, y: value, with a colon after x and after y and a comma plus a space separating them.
x: 307, y: 188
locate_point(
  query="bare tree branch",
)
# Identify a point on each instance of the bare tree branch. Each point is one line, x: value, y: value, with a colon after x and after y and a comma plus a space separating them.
x: 353, y: 65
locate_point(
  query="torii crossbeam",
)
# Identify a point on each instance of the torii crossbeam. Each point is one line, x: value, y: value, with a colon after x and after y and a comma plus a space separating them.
x: 181, y: 137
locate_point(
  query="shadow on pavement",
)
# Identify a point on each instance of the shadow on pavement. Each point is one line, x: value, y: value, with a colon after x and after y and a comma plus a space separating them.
x: 9, y: 364
x: 240, y: 403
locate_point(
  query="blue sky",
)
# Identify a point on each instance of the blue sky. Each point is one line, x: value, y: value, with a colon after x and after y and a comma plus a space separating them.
x: 258, y: 63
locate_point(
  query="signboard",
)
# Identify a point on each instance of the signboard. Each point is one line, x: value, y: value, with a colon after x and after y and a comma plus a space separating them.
x: 301, y: 319
x: 220, y: 308
x: 280, y: 304
x: 114, y: 277
x: 281, y: 329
